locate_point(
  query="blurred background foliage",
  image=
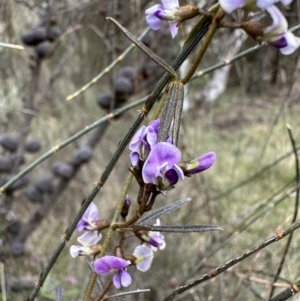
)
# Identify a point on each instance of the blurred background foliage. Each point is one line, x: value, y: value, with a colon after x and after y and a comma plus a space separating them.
x: 245, y: 125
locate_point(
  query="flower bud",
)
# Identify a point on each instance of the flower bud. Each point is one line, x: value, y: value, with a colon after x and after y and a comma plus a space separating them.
x: 198, y: 165
x: 85, y: 250
x: 126, y: 206
x: 253, y: 28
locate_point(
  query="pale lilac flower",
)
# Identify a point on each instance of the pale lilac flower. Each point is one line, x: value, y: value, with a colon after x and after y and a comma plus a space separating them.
x: 165, y: 12
x: 159, y: 238
x: 88, y: 219
x: 161, y: 166
x: 88, y: 246
x: 198, y: 165
x: 114, y: 264
x: 278, y: 35
x: 143, y: 141
x: 249, y: 5
x: 144, y: 257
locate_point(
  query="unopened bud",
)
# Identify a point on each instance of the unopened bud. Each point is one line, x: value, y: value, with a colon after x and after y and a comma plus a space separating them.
x: 126, y: 206
x: 253, y: 28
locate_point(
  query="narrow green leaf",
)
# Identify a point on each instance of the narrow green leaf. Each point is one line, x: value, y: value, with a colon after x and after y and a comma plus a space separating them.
x: 179, y: 229
x: 177, y: 113
x: 168, y: 112
x: 145, y: 49
x: 162, y: 211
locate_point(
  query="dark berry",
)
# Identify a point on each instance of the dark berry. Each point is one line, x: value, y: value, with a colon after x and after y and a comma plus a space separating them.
x: 63, y: 170
x: 19, y: 183
x: 53, y: 33
x: 122, y: 85
x: 34, y: 195
x: 104, y: 101
x: 128, y: 72
x: 83, y: 154
x: 5, y: 164
x: 44, y: 184
x: 9, y: 142
x: 34, y: 37
x: 43, y: 49
x: 33, y: 145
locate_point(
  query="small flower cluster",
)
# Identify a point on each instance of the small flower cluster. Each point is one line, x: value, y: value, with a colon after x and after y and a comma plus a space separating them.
x: 156, y: 163
x: 141, y: 258
x: 276, y: 34
x: 160, y: 161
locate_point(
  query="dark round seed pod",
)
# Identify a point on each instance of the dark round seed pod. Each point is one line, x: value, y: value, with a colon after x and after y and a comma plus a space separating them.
x: 104, y: 100
x: 14, y: 227
x: 34, y: 37
x: 22, y: 182
x: 53, y: 33
x: 9, y: 142
x: 33, y: 145
x: 128, y: 72
x: 62, y: 170
x: 43, y: 49
x: 122, y: 85
x: 44, y: 184
x: 34, y: 195
x: 5, y: 164
x: 16, y: 247
x: 82, y: 154
x: 18, y: 159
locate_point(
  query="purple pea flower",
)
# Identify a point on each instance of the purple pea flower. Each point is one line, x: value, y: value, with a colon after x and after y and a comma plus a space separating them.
x: 88, y: 246
x: 249, y: 5
x: 278, y: 35
x: 144, y: 257
x: 114, y: 264
x: 165, y: 12
x: 88, y: 219
x: 161, y: 166
x: 143, y: 141
x: 198, y: 165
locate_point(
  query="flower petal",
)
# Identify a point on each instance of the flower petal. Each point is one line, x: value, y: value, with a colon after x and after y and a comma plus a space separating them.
x: 293, y: 43
x: 89, y: 238
x: 279, y: 25
x: 91, y: 214
x: 170, y: 4
x: 75, y: 251
x: 125, y: 278
x: 230, y: 5
x: 101, y: 266
x: 173, y: 28
x: 160, y: 154
x: 144, y: 256
x: 116, y: 281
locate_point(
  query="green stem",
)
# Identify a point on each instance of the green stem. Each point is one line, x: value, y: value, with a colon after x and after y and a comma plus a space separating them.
x: 211, y: 31
x: 109, y: 234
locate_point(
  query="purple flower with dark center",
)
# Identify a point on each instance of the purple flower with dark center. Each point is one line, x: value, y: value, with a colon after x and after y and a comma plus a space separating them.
x: 161, y: 166
x: 114, y: 264
x: 165, y: 12
x: 88, y: 219
x: 88, y: 241
x: 143, y: 141
x: 278, y: 35
x: 198, y: 165
x: 144, y: 257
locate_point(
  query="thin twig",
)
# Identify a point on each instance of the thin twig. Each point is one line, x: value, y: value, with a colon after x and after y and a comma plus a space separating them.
x: 276, y: 237
x: 296, y: 208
